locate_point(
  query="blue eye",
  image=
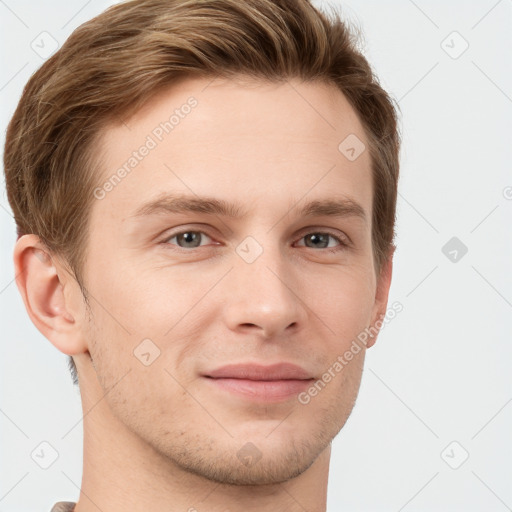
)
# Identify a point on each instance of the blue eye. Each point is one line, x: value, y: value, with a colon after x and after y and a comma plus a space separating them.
x: 320, y: 240
x: 190, y: 238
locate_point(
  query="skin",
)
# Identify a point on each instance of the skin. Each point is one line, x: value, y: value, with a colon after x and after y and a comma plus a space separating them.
x: 160, y: 437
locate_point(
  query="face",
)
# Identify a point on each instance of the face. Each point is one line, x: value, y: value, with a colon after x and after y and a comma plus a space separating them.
x: 231, y: 268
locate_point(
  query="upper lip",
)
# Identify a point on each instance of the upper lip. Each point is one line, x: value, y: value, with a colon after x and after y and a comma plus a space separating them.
x: 251, y: 371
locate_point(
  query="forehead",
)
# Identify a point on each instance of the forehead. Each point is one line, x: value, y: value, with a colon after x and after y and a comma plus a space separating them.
x: 257, y: 142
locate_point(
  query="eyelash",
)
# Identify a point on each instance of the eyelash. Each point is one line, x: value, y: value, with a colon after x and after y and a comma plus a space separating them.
x: 342, y: 244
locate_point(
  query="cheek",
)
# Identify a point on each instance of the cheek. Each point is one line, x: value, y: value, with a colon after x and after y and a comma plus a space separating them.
x: 343, y: 300
x: 152, y: 300
x: 138, y: 305
x: 137, y: 375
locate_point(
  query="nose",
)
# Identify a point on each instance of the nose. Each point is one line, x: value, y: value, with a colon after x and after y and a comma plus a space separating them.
x: 265, y: 296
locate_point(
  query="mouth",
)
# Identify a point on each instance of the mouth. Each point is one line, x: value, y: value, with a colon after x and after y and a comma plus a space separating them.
x: 257, y: 382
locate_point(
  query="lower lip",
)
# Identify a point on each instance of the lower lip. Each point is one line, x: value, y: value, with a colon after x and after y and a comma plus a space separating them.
x: 264, y: 390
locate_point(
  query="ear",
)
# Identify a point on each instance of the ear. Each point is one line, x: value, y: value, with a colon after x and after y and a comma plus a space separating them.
x: 381, y: 297
x: 51, y: 295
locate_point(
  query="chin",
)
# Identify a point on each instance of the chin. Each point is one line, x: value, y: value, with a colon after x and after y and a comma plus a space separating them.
x: 245, y: 463
x: 262, y: 472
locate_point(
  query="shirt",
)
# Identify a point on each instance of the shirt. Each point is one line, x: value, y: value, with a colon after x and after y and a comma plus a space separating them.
x: 63, y: 506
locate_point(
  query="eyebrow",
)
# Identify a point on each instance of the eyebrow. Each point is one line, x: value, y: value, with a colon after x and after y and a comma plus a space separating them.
x: 178, y: 203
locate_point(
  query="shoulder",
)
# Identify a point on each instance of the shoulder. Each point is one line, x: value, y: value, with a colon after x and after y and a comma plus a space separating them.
x: 63, y: 506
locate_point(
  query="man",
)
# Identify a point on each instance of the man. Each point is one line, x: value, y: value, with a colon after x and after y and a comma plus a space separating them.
x: 205, y: 198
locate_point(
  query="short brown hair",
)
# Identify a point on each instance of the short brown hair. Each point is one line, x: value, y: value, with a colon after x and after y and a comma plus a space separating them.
x: 111, y: 65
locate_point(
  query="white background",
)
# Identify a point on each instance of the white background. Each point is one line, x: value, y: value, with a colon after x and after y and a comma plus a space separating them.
x: 440, y: 371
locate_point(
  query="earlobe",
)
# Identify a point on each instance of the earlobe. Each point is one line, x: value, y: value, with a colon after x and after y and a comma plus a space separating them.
x: 42, y: 284
x: 381, y: 297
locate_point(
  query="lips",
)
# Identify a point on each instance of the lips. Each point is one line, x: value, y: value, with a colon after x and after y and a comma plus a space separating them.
x: 272, y: 383
x: 279, y: 371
